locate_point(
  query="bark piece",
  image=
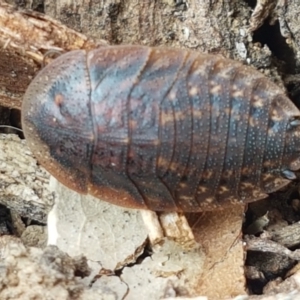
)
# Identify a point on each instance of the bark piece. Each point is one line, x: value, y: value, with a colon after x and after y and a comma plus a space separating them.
x: 188, y: 24
x: 25, y: 36
x: 35, y: 33
x: 262, y: 10
x: 24, y: 184
x: 290, y: 18
x: 37, y: 274
x: 264, y: 245
x: 288, y: 236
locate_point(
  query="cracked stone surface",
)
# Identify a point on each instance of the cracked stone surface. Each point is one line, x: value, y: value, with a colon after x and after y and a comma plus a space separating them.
x: 102, y: 232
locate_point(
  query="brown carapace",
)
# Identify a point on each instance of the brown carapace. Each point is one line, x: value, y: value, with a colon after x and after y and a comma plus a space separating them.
x: 161, y: 129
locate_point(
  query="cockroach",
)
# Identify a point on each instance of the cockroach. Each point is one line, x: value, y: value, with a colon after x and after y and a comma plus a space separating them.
x: 161, y: 129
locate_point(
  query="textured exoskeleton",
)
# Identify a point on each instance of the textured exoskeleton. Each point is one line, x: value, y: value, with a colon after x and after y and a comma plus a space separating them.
x: 163, y: 129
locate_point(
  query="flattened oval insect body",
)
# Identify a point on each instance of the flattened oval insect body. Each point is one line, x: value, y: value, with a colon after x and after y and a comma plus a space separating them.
x: 163, y: 129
